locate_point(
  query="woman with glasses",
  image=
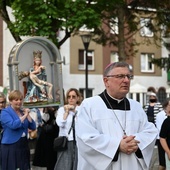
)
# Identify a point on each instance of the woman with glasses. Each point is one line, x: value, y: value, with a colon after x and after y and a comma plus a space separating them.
x: 2, y: 101
x: 2, y: 106
x: 67, y: 159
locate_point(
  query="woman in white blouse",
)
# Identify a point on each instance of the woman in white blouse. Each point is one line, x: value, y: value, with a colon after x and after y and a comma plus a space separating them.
x: 67, y: 160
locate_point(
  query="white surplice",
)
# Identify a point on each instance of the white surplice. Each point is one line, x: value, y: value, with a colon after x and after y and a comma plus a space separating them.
x: 99, y: 135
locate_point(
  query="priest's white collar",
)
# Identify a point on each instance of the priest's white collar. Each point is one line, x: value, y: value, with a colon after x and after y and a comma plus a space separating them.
x: 118, y: 100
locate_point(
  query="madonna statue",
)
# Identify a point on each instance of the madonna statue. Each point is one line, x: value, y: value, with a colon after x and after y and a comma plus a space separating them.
x: 37, y: 81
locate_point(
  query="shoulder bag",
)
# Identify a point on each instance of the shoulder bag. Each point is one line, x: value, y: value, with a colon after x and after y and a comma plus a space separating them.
x: 60, y: 143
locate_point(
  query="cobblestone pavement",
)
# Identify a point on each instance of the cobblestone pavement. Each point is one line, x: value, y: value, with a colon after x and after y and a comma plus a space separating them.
x: 38, y: 168
x: 35, y: 167
x: 154, y: 161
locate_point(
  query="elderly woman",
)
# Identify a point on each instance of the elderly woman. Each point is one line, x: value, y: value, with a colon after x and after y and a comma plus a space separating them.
x: 15, y: 123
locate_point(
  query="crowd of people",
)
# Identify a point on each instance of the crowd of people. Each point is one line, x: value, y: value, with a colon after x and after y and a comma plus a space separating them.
x: 105, y: 132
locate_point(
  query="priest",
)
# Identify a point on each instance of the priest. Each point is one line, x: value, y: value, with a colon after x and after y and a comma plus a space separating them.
x: 112, y: 131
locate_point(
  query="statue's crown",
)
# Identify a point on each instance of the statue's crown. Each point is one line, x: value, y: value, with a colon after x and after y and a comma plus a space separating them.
x: 37, y: 54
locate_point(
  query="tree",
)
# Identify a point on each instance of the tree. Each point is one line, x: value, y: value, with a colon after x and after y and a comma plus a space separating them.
x: 5, y: 16
x: 48, y: 17
x: 126, y: 14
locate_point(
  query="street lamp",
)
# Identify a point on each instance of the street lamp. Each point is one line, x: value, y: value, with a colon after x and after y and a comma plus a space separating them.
x: 86, y: 41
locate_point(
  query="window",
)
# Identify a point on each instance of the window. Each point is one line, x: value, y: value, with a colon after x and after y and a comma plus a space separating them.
x: 83, y: 92
x: 82, y: 59
x: 146, y: 65
x: 114, y: 26
x: 146, y: 24
x: 161, y: 94
x: 114, y: 57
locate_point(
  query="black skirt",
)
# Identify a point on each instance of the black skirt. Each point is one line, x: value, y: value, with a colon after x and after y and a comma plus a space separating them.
x: 16, y: 156
x: 45, y: 156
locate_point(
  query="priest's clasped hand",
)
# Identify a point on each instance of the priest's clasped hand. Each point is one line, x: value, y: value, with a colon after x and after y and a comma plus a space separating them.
x: 128, y: 145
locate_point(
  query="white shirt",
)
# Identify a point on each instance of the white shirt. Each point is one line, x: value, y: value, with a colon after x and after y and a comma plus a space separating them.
x: 64, y: 125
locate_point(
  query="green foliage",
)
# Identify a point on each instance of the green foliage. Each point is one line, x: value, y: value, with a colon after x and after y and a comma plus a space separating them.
x: 5, y: 91
x: 162, y: 62
x: 47, y: 17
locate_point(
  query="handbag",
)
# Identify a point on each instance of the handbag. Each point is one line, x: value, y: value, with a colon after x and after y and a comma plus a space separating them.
x: 60, y: 143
